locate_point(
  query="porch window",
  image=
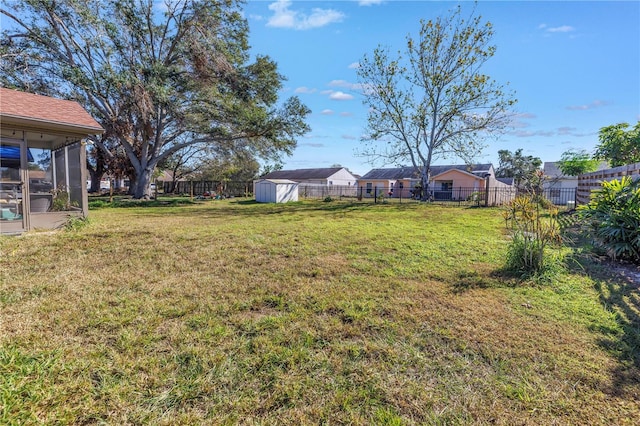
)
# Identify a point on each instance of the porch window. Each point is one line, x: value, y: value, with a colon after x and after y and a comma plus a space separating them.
x: 55, y: 179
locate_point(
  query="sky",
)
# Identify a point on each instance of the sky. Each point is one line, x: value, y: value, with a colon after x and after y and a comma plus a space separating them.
x: 574, y: 67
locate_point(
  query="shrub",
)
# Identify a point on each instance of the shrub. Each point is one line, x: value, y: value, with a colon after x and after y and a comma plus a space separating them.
x: 613, y: 217
x: 98, y: 204
x: 76, y: 223
x: 532, y: 229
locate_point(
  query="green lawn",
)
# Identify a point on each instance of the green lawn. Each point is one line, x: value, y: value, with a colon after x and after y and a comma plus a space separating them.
x: 228, y: 312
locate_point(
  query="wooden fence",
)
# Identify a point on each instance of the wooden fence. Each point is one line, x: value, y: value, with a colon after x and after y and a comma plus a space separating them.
x: 590, y: 181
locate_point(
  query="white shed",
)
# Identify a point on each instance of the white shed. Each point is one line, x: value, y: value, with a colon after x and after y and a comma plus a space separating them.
x: 275, y: 191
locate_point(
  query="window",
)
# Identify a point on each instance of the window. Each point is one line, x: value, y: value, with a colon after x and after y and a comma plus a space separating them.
x: 369, y: 185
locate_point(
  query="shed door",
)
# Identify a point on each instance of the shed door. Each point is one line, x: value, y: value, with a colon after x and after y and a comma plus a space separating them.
x: 12, y: 176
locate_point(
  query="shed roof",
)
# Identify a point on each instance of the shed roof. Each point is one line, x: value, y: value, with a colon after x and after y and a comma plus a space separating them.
x: 27, y: 108
x: 278, y: 181
x: 299, y: 174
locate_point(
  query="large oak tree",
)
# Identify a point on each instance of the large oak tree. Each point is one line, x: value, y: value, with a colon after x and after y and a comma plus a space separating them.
x: 433, y: 101
x: 158, y: 77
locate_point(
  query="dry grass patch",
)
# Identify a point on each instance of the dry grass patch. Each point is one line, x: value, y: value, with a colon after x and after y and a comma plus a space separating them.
x: 233, y: 312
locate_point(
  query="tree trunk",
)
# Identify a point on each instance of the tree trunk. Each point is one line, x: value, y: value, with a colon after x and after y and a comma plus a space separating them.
x: 97, y: 172
x: 140, y: 187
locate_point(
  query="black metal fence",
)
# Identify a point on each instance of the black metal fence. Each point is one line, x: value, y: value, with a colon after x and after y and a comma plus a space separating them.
x: 324, y: 191
x: 375, y: 194
x: 561, y: 196
x: 452, y: 196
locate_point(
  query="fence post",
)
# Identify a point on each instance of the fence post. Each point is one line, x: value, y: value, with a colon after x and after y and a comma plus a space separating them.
x: 375, y: 195
x: 486, y: 192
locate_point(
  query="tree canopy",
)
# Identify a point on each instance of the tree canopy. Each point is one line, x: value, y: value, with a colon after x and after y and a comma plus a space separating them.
x: 577, y: 162
x: 157, y: 79
x: 618, y: 145
x: 522, y: 168
x: 433, y: 101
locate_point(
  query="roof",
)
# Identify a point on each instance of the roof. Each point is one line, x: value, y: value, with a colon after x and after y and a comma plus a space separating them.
x: 551, y: 169
x: 506, y: 181
x: 300, y: 174
x: 32, y: 109
x: 278, y: 181
x: 411, y: 173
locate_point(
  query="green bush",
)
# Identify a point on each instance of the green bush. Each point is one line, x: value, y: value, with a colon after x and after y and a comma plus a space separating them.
x: 532, y: 230
x: 98, y: 204
x: 613, y: 218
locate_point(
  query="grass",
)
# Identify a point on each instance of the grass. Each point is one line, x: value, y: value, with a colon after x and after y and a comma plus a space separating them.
x: 228, y: 312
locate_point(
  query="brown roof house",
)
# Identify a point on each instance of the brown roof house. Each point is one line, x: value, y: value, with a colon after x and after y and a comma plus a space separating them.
x: 42, y: 161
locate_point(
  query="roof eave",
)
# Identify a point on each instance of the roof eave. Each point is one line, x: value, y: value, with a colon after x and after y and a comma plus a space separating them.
x: 35, y: 124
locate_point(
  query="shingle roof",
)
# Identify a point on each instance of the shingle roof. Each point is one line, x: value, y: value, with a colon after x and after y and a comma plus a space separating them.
x: 410, y: 172
x: 44, y: 109
x: 299, y: 174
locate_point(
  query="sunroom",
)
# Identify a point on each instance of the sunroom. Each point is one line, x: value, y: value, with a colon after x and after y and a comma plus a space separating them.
x: 43, y: 178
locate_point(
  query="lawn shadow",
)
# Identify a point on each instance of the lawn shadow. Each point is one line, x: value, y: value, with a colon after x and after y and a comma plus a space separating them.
x: 619, y: 292
x: 471, y: 280
x: 618, y: 288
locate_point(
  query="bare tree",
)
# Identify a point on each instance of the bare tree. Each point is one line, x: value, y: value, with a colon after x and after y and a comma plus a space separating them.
x: 434, y: 101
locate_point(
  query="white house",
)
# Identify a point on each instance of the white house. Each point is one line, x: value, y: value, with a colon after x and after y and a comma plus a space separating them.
x: 331, y: 176
x: 275, y: 191
x: 558, y: 187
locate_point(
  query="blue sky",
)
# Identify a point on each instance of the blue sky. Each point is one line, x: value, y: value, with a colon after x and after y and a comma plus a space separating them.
x: 574, y: 67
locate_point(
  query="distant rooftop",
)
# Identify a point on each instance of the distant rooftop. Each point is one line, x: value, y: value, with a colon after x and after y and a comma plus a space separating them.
x: 408, y: 172
x: 300, y: 174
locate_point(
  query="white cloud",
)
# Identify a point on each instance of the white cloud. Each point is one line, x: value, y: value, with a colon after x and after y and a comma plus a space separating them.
x: 346, y: 85
x: 566, y: 130
x: 369, y: 2
x: 561, y: 29
x: 349, y: 137
x: 304, y: 89
x: 354, y: 65
x: 340, y: 96
x: 526, y: 134
x: 346, y: 114
x: 326, y: 112
x: 284, y: 17
x: 517, y: 121
x: 592, y: 105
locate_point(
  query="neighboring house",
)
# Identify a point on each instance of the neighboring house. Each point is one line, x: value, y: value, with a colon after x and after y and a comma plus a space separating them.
x: 42, y: 161
x: 560, y: 188
x: 332, y: 176
x: 448, y: 182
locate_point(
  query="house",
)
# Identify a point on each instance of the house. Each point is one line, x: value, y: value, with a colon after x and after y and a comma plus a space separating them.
x: 43, y: 174
x: 448, y: 182
x: 558, y: 187
x: 338, y: 176
x: 275, y: 190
